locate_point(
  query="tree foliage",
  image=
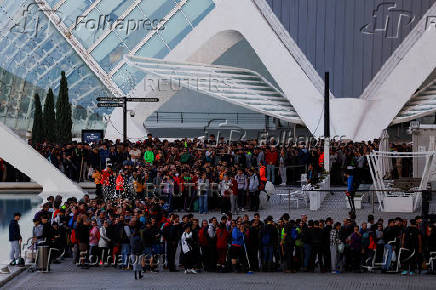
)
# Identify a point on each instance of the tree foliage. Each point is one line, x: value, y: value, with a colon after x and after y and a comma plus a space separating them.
x: 63, y: 113
x: 38, y: 124
x: 49, y: 117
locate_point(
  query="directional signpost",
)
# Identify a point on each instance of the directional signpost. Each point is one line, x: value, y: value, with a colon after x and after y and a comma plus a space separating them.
x: 109, y: 105
x: 113, y: 102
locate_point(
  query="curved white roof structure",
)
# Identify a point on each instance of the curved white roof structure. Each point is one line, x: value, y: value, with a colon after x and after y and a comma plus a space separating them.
x: 239, y: 86
x: 423, y: 103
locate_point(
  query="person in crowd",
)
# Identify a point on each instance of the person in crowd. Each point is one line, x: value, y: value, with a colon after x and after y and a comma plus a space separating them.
x: 412, y: 241
x: 136, y: 247
x: 222, y: 239
x: 15, y: 239
x: 335, y: 248
x: 94, y: 238
x: 104, y: 243
x: 351, y: 190
x: 237, y: 248
x: 187, y: 250
x: 271, y: 158
x: 253, y: 190
x: 355, y: 244
x: 203, y: 192
x: 241, y: 179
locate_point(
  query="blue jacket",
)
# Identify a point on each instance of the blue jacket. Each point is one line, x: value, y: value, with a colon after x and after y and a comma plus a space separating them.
x: 237, y: 238
x: 14, y: 231
x: 350, y: 187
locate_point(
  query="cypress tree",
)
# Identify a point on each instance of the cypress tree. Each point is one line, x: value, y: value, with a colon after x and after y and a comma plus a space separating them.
x: 64, y: 123
x: 49, y: 118
x: 38, y: 125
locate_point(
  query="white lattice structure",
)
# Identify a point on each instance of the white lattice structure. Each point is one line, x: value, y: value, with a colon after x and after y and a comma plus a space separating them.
x: 393, y: 199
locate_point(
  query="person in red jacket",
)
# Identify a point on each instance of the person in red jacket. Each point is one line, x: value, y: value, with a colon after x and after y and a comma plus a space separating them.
x: 271, y: 158
x: 234, y: 196
x: 105, y: 175
x: 120, y: 184
x: 204, y: 243
x: 222, y: 235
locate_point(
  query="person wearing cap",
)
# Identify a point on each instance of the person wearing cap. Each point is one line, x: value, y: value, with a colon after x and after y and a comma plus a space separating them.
x: 15, y: 238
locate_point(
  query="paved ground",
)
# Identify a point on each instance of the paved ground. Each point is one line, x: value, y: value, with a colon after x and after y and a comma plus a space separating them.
x: 67, y: 276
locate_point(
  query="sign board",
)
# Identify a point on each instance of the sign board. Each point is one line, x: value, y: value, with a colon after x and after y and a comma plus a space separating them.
x: 92, y: 136
x: 144, y: 100
x: 109, y: 105
x: 109, y: 99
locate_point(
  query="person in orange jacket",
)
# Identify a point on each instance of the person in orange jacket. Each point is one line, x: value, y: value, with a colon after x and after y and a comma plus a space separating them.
x: 97, y: 176
x: 262, y: 173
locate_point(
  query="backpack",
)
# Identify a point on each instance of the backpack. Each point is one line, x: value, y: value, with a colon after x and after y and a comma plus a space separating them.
x: 294, y: 234
x: 411, y: 238
x: 266, y: 238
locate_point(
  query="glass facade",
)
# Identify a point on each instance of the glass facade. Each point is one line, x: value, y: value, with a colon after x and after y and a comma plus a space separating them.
x: 33, y: 52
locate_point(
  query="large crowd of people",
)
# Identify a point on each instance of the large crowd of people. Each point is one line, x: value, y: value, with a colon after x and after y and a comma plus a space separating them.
x: 142, y: 235
x: 146, y: 193
x: 284, y: 161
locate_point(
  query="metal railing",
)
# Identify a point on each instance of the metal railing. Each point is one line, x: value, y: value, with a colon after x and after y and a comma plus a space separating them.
x: 199, y: 117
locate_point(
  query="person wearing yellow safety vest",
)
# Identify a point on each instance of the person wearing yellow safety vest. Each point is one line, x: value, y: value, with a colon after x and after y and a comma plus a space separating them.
x: 148, y: 156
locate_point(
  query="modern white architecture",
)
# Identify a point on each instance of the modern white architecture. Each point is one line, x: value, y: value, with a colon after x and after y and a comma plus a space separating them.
x: 270, y: 55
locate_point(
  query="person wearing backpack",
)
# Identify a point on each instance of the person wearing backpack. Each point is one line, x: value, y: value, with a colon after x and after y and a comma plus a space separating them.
x: 268, y: 240
x: 411, y: 240
x: 288, y: 244
x: 316, y: 237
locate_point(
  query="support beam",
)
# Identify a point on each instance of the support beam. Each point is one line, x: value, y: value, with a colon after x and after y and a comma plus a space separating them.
x: 327, y: 123
x: 35, y: 166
